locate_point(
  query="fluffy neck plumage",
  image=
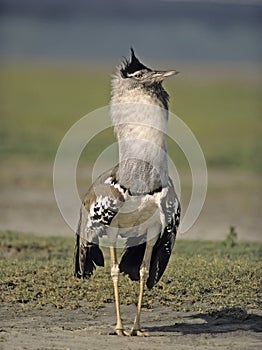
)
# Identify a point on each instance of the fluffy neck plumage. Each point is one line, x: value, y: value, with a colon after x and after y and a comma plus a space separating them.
x: 140, y: 123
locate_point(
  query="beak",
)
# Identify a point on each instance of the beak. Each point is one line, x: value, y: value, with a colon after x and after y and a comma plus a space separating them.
x: 161, y: 75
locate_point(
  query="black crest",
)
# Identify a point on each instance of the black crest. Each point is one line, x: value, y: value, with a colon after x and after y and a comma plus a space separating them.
x: 133, y: 66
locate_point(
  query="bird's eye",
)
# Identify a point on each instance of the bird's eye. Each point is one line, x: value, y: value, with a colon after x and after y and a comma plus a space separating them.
x: 138, y: 75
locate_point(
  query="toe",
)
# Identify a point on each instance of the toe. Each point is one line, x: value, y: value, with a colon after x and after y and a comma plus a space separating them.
x: 138, y: 333
x: 120, y: 332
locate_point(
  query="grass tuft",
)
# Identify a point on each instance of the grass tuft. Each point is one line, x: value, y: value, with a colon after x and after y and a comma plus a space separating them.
x: 231, y: 238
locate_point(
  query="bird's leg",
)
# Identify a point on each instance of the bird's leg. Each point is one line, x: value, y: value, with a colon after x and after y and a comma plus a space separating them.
x: 144, y: 273
x: 119, y: 330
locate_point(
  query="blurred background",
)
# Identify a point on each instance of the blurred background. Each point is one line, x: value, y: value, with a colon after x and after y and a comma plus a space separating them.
x: 57, y: 58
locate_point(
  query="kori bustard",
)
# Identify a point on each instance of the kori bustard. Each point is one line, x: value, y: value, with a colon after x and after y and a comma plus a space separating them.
x: 136, y: 199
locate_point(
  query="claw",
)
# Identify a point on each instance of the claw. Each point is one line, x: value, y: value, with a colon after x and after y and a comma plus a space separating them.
x: 120, y: 332
x: 138, y: 333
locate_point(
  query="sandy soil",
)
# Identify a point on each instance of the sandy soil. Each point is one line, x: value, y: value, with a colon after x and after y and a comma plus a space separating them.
x: 89, y: 330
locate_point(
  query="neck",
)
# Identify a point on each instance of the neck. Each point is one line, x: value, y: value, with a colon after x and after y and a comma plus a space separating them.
x: 140, y: 127
x: 142, y: 165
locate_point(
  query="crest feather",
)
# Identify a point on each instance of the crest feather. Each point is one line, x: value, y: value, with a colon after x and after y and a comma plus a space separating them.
x: 132, y: 66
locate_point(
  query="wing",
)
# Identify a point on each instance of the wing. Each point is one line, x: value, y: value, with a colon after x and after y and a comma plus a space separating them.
x: 101, y: 203
x: 165, y: 243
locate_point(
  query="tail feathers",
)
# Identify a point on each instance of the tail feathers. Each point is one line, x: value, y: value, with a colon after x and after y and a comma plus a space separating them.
x: 133, y: 256
x: 131, y: 261
x: 87, y: 256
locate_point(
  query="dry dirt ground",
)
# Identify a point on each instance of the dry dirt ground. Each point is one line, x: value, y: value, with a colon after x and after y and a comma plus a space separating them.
x: 86, y: 329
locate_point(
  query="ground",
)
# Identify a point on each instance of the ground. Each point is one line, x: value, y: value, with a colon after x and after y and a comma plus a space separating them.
x: 212, y: 301
x: 88, y: 329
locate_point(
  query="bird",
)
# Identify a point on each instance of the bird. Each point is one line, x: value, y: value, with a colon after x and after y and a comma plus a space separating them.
x: 136, y: 199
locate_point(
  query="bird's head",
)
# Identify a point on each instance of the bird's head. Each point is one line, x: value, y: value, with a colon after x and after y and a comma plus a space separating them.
x: 137, y: 73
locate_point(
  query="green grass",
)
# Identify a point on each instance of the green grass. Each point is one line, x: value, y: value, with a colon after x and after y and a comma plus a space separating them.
x: 39, y: 103
x: 36, y: 272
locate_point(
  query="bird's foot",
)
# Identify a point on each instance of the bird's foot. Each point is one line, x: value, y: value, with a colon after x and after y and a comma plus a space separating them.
x: 138, y: 333
x: 121, y: 332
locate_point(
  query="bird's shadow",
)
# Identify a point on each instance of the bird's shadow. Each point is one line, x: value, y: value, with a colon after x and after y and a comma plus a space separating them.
x: 222, y: 321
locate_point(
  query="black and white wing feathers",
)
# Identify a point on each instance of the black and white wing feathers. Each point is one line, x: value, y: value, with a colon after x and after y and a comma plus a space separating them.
x: 96, y: 215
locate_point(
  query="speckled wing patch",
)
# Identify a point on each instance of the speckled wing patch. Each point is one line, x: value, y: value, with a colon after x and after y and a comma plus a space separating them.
x: 102, y: 211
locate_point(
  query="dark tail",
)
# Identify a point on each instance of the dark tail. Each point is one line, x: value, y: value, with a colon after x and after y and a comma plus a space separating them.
x: 133, y: 256
x: 132, y: 259
x: 87, y: 256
